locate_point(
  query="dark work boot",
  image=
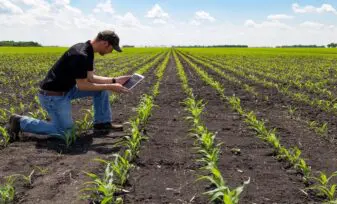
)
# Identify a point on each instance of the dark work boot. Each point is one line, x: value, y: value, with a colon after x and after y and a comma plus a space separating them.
x: 14, y: 128
x: 108, y: 127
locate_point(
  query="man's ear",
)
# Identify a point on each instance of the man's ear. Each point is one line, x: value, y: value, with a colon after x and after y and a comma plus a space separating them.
x: 105, y: 43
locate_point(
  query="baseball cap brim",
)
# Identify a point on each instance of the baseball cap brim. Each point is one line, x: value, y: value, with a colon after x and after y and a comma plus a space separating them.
x: 117, y: 48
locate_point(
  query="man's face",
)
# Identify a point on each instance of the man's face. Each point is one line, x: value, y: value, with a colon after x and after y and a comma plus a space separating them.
x: 106, y: 48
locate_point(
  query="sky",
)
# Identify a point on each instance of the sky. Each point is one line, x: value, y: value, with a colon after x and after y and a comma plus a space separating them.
x: 171, y: 22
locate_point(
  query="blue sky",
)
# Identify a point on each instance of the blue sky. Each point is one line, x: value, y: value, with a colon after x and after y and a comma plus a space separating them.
x: 171, y: 22
x: 223, y: 9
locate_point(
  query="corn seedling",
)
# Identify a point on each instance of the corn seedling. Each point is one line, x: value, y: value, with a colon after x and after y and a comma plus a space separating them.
x: 210, y: 158
x: 42, y: 170
x: 323, y: 187
x: 7, y: 190
x: 222, y: 192
x: 103, y: 190
x: 292, y: 110
x: 40, y: 113
x: 121, y: 167
x: 304, y: 168
x: 195, y: 108
x: 144, y: 109
x: 322, y: 130
x: 5, y: 137
x: 236, y: 104
x: 86, y: 123
x: 28, y: 178
x: 113, y: 98
x: 70, y: 137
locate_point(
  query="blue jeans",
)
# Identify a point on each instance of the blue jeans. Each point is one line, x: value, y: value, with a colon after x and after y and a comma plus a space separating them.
x: 60, y: 113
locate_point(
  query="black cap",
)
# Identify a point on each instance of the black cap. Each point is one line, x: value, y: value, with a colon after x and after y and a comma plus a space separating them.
x: 111, y: 37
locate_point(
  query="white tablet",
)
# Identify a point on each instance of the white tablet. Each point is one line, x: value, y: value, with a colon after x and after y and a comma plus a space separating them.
x: 133, y: 81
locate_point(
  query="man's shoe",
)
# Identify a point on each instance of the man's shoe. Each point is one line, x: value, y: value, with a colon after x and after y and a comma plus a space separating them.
x: 108, y: 127
x: 14, y: 127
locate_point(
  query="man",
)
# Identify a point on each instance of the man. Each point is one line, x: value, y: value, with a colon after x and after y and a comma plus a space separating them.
x: 70, y: 78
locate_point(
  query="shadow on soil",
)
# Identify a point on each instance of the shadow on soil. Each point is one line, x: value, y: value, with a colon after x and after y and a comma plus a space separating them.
x: 105, y: 143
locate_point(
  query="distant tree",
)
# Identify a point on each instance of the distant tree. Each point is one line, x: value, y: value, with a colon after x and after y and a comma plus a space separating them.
x: 128, y: 46
x: 301, y: 46
x: 19, y: 44
x: 332, y: 45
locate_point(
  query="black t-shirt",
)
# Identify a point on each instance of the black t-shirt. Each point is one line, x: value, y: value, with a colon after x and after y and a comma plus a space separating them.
x: 74, y: 64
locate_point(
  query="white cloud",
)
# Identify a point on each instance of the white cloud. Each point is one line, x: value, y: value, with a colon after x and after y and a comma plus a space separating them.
x: 266, y: 24
x: 158, y: 15
x: 325, y: 8
x: 104, y: 7
x: 159, y: 21
x: 157, y: 12
x: 202, y: 15
x: 279, y: 17
x: 129, y: 21
x: 312, y: 25
x: 7, y: 6
x: 195, y: 22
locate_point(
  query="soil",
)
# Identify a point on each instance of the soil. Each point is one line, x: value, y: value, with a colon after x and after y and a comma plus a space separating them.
x: 166, y: 170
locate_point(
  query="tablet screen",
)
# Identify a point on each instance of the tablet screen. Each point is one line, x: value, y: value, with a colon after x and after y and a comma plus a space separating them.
x: 134, y: 79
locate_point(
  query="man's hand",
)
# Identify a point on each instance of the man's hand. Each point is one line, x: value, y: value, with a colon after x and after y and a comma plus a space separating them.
x: 122, y: 79
x: 118, y: 88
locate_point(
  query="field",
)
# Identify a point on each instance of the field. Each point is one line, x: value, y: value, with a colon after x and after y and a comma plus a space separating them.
x: 254, y: 125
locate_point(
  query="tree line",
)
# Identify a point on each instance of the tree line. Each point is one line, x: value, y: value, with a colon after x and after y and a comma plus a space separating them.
x: 19, y: 44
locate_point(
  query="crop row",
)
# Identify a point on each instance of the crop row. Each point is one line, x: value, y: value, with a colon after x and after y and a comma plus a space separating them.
x: 206, y: 146
x: 321, y: 185
x: 105, y: 189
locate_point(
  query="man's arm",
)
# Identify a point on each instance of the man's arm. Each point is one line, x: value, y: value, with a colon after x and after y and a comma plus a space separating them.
x: 105, y: 80
x: 85, y: 85
x: 98, y: 79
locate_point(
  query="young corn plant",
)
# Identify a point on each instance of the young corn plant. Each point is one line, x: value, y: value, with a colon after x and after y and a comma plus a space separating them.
x: 305, y: 170
x: 7, y: 190
x: 132, y: 142
x: 86, y: 123
x: 195, y: 108
x: 222, y: 193
x: 113, y: 98
x: 40, y: 113
x: 5, y: 137
x: 236, y: 104
x: 322, y: 130
x: 323, y: 187
x: 209, y: 158
x: 70, y: 136
x: 292, y: 110
x: 144, y: 109
x: 4, y: 115
x: 121, y: 167
x: 103, y: 190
